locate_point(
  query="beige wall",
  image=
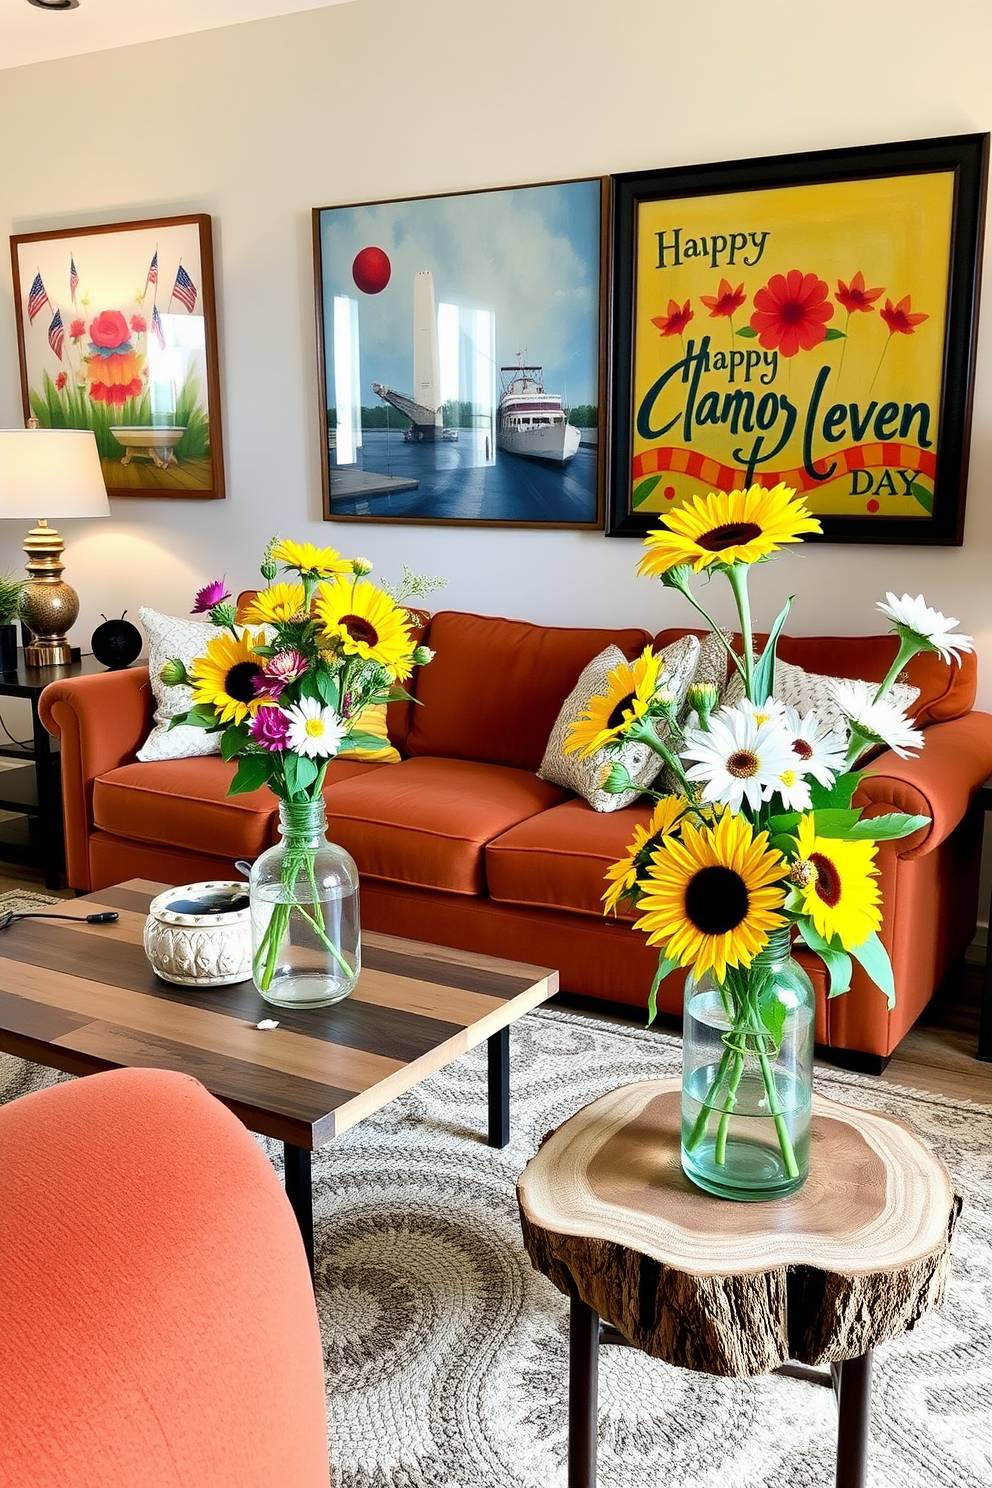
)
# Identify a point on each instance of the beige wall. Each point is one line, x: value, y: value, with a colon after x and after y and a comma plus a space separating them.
x: 258, y: 123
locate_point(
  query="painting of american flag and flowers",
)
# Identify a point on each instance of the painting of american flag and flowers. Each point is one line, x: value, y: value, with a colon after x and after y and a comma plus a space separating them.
x: 117, y: 333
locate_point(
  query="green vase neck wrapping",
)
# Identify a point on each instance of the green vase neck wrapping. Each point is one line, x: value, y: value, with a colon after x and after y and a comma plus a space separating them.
x: 778, y: 949
x: 302, y: 821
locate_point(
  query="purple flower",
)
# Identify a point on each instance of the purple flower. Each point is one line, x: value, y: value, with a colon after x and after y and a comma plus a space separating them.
x: 270, y: 728
x: 211, y: 594
x: 268, y: 687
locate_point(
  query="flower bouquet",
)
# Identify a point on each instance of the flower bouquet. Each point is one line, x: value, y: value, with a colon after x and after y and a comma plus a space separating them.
x: 755, y: 840
x: 331, y: 649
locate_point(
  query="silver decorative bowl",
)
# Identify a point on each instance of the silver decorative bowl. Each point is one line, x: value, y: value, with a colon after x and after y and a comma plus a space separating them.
x: 199, y: 935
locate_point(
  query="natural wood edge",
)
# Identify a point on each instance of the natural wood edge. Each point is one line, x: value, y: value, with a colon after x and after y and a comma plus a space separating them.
x: 746, y: 1324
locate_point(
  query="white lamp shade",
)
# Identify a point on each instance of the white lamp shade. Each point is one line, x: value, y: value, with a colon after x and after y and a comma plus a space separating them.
x: 51, y: 473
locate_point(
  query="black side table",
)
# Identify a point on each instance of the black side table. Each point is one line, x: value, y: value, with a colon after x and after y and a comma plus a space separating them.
x: 34, y: 790
x: 985, y: 1023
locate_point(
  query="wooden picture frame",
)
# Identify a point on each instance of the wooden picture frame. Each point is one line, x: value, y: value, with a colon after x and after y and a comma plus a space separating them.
x: 461, y: 357
x: 117, y: 332
x: 810, y: 319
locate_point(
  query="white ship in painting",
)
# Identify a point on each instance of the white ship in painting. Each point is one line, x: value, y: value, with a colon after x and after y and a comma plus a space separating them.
x: 532, y: 422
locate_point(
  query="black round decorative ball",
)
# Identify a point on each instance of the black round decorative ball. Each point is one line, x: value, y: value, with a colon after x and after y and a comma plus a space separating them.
x: 116, y: 643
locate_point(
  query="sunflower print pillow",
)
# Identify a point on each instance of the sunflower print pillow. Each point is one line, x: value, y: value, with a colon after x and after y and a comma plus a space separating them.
x: 583, y: 776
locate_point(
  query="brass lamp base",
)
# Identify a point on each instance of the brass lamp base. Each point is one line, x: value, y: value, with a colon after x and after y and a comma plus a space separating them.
x: 49, y: 606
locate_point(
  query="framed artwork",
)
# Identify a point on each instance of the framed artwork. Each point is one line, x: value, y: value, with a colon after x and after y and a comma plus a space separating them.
x: 809, y: 319
x: 117, y: 333
x: 460, y: 343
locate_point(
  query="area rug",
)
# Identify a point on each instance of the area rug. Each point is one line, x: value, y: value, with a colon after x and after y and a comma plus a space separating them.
x: 446, y: 1354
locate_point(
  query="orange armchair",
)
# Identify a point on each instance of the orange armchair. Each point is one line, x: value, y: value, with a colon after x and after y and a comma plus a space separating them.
x: 158, y: 1322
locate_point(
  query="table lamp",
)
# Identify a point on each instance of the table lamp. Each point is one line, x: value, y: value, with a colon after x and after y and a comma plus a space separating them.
x: 55, y: 471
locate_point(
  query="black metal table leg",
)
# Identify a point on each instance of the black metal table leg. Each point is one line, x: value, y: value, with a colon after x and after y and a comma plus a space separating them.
x: 583, y: 1394
x: 299, y: 1191
x: 499, y: 1088
x: 854, y: 1418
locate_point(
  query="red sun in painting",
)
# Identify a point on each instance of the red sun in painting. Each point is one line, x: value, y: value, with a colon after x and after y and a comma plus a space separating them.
x: 371, y: 270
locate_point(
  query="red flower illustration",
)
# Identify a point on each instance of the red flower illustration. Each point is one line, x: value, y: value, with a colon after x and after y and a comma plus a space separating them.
x: 61, y: 380
x: 854, y: 296
x: 108, y: 330
x: 77, y: 330
x: 726, y: 301
x: 901, y: 318
x: 138, y: 323
x: 675, y: 322
x: 792, y: 312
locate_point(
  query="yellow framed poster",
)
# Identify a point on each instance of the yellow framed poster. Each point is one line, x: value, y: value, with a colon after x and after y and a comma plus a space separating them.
x: 809, y: 319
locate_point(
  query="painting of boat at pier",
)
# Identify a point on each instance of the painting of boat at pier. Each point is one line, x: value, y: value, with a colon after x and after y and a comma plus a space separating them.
x: 460, y: 366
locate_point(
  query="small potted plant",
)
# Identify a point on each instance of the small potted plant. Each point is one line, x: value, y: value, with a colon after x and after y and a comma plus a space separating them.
x: 10, y: 600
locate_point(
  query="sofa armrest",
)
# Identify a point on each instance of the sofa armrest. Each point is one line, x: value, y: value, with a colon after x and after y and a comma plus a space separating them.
x: 100, y: 722
x: 940, y: 782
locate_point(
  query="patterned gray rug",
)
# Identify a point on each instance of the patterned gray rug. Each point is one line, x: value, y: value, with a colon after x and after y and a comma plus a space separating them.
x: 446, y: 1354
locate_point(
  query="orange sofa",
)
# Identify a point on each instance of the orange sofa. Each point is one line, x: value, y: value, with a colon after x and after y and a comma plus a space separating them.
x: 461, y: 844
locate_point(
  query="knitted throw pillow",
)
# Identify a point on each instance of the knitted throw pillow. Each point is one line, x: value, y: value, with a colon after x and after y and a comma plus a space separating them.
x: 809, y: 692
x: 643, y: 764
x: 174, y: 636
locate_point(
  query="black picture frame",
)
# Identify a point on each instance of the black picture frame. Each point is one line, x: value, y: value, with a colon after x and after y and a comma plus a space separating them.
x: 476, y: 247
x: 951, y: 170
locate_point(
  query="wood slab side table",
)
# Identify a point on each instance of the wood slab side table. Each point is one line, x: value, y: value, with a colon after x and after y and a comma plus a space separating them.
x: 856, y: 1257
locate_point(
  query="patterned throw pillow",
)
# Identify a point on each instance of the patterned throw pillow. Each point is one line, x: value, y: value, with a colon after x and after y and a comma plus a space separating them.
x: 174, y: 636
x: 373, y: 721
x: 809, y: 692
x: 643, y: 764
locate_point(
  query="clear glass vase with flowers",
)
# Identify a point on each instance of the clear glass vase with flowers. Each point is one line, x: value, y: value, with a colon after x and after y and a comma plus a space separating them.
x: 755, y: 841
x: 288, y: 685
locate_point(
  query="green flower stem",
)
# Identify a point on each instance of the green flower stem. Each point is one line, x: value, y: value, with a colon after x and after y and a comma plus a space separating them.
x: 641, y: 731
x: 737, y: 576
x: 688, y: 594
x: 907, y: 650
x: 723, y: 1130
x: 775, y: 1107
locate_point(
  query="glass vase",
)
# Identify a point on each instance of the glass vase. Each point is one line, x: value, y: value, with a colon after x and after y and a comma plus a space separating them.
x: 747, y: 1069
x: 306, y: 940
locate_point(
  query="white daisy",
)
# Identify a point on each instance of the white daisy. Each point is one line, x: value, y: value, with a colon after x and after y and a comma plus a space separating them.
x: 819, y: 749
x: 877, y: 722
x: 313, y: 729
x: 739, y: 758
x: 914, y: 620
x: 793, y: 787
x: 771, y: 708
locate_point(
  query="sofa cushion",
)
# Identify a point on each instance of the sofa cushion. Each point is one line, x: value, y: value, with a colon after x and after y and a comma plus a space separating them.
x: 495, y: 687
x: 427, y: 821
x: 184, y: 804
x: 946, y: 691
x: 558, y: 860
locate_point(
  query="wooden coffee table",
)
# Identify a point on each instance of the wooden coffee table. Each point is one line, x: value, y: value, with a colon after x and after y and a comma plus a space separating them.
x: 83, y: 997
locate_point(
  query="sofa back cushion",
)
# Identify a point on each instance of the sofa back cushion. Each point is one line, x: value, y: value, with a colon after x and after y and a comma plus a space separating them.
x: 946, y: 691
x: 495, y: 687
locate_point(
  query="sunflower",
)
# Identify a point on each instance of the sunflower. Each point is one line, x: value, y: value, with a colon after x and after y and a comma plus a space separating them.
x: 630, y: 690
x: 711, y: 894
x: 622, y: 877
x: 365, y: 622
x: 278, y: 602
x: 841, y: 896
x: 727, y: 528
x: 224, y: 678
x: 308, y: 559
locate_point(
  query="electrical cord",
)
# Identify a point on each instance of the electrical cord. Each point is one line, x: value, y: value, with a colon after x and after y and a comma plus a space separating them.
x: 21, y: 743
x: 40, y: 914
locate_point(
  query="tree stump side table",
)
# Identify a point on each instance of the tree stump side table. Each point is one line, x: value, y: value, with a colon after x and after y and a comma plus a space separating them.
x: 856, y: 1257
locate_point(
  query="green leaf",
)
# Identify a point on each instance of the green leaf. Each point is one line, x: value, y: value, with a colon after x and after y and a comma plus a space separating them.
x: 783, y: 843
x: 747, y: 333
x: 359, y: 740
x: 233, y: 741
x: 923, y: 496
x: 201, y: 716
x: 826, y: 797
x: 329, y: 688
x: 833, y: 334
x: 253, y: 771
x: 309, y: 687
x: 785, y: 822
x: 834, y: 958
x: 764, y: 672
x: 398, y: 694
x: 874, y: 958
x: 885, y: 828
x: 832, y: 821
x: 665, y: 968
x: 307, y: 771
x: 643, y: 491
x: 772, y: 1011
